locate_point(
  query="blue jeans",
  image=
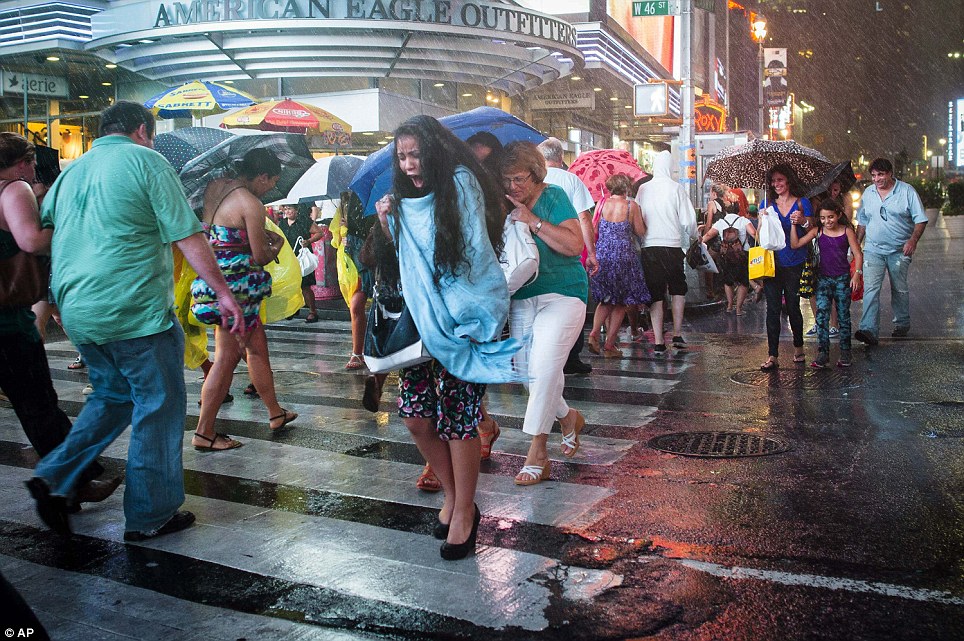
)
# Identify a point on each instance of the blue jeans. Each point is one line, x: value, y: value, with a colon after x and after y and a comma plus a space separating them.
x: 137, y: 382
x: 833, y: 290
x: 896, y: 266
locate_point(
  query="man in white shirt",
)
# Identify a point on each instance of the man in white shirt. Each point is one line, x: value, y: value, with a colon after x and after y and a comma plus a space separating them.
x: 670, y: 224
x: 582, y: 201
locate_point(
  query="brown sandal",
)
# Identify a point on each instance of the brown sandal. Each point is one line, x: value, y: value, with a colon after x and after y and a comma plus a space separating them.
x: 427, y: 481
x: 289, y: 417
x: 232, y: 444
x: 488, y: 437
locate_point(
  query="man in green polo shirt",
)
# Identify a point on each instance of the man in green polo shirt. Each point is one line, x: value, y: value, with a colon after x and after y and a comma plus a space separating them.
x: 115, y: 213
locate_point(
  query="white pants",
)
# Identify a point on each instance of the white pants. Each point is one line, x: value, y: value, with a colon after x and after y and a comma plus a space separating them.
x: 552, y: 323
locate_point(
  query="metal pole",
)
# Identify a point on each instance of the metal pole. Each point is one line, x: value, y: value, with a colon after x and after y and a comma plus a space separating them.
x: 726, y: 101
x: 25, y: 112
x: 687, y: 140
x: 760, y: 60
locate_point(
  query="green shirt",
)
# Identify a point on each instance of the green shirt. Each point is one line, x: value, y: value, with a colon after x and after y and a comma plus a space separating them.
x: 558, y: 274
x: 115, y: 212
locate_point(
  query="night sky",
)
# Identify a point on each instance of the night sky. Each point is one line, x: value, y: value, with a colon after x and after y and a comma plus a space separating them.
x: 884, y: 75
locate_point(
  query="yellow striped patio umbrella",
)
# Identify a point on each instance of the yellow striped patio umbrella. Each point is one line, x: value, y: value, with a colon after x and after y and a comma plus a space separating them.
x: 197, y: 99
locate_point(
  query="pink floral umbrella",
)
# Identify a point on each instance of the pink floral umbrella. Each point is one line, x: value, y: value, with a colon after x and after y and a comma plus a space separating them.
x: 595, y: 167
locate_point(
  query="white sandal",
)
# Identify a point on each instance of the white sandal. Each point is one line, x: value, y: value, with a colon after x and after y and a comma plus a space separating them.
x: 571, y: 440
x: 532, y: 474
x: 355, y: 361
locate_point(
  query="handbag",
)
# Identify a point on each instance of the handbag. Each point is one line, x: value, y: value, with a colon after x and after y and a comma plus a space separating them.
x: 391, y: 338
x: 24, y: 277
x: 306, y: 258
x: 761, y: 263
x: 695, y: 257
x: 771, y: 234
x: 520, y: 255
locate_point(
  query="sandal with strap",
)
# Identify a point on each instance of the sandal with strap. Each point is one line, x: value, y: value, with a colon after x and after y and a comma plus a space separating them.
x: 532, y: 474
x: 770, y: 364
x: 571, y: 440
x: 78, y: 363
x: 428, y: 482
x: 231, y: 443
x: 594, y: 345
x: 355, y: 361
x: 289, y: 417
x: 488, y: 437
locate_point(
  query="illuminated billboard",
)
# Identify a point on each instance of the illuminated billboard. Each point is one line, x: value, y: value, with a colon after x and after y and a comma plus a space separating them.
x: 958, y: 133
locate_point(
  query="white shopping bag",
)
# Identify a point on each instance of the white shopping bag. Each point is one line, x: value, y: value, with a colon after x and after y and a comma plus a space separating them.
x: 771, y: 234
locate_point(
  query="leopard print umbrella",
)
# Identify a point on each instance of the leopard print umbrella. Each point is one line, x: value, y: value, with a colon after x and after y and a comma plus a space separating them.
x: 747, y: 165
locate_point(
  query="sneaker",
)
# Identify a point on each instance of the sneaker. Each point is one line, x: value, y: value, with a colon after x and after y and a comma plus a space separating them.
x: 834, y: 332
x: 88, y: 389
x: 679, y: 343
x: 821, y: 361
x: 812, y: 331
x: 845, y: 359
x: 900, y: 332
x: 864, y: 336
x: 576, y: 366
x: 659, y: 349
x: 180, y: 521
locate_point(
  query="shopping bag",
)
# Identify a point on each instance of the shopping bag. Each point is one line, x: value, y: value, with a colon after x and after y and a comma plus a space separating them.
x: 761, y: 263
x: 306, y: 258
x: 770, y: 234
x: 286, y: 297
x: 709, y: 265
x: 195, y: 334
x: 520, y: 256
x: 808, y: 280
x: 347, y: 271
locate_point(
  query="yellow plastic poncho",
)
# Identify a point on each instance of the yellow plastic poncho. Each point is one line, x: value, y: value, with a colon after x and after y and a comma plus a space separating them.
x: 347, y: 271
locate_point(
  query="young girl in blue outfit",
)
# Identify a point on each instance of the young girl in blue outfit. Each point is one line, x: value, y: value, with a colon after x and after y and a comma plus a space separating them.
x: 835, y: 235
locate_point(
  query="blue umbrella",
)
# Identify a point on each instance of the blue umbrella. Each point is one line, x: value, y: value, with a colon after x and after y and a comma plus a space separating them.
x: 184, y: 145
x: 374, y: 179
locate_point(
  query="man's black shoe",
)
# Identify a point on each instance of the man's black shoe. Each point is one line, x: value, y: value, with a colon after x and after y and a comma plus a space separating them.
x: 576, y: 366
x: 180, y: 521
x: 52, y: 509
x: 864, y: 336
x: 900, y: 332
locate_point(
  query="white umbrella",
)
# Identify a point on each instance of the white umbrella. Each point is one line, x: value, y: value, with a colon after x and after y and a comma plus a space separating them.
x: 324, y: 180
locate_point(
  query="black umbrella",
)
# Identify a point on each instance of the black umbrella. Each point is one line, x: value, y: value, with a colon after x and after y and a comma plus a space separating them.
x: 843, y: 172
x: 291, y: 149
x: 181, y: 146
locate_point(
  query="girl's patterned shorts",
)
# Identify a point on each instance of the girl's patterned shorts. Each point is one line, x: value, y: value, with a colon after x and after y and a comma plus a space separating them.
x: 427, y: 390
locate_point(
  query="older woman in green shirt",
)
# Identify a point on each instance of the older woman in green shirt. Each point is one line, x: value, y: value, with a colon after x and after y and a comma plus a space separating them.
x: 547, y: 314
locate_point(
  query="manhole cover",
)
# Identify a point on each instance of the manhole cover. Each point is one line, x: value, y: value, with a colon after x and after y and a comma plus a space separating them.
x: 718, y: 444
x: 804, y: 378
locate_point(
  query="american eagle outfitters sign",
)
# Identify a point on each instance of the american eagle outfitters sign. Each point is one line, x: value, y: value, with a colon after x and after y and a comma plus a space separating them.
x: 482, y: 15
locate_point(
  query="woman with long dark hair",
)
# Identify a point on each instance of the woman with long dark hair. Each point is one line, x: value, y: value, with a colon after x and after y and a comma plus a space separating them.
x: 445, y: 216
x: 785, y: 199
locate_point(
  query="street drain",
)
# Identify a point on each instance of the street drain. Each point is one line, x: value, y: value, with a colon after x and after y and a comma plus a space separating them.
x: 803, y: 378
x: 718, y: 444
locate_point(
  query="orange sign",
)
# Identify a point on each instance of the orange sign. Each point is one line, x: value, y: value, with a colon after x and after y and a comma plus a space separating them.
x: 710, y: 116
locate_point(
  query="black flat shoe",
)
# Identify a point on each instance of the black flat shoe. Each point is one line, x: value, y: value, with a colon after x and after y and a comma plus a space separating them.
x: 180, y: 521
x: 456, y: 551
x: 52, y: 509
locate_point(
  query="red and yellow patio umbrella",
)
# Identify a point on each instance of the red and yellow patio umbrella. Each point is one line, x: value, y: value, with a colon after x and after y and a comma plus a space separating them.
x: 292, y: 117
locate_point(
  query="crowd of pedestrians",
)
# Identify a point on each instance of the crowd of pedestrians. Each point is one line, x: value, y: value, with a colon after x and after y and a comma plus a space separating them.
x: 111, y: 219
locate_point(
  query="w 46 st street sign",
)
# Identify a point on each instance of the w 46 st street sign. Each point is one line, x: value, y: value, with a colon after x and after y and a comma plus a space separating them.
x: 655, y: 8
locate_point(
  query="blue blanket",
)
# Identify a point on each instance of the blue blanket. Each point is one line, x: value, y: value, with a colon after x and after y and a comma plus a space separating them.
x: 460, y: 321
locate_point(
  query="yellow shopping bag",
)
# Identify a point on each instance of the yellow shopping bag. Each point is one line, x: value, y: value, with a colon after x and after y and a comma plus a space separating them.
x: 762, y: 263
x: 286, y: 297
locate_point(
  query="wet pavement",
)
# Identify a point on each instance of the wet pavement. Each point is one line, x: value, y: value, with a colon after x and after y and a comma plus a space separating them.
x: 854, y: 532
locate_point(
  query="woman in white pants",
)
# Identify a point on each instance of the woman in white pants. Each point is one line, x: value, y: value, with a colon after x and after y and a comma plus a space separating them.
x: 547, y: 314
